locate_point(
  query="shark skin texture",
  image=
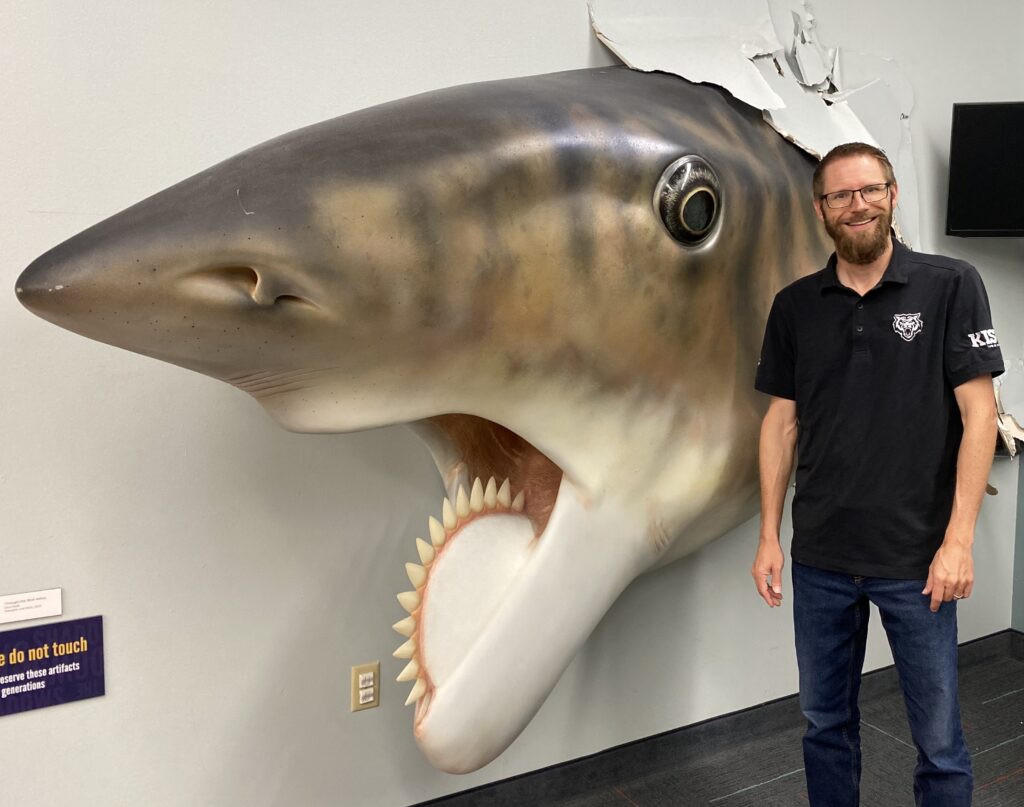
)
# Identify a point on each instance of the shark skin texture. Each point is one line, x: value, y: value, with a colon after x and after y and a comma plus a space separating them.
x: 559, y: 282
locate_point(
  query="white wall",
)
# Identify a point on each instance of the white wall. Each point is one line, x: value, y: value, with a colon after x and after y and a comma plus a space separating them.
x: 232, y: 561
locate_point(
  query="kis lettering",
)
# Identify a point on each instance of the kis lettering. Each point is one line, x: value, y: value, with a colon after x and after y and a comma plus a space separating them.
x: 985, y: 338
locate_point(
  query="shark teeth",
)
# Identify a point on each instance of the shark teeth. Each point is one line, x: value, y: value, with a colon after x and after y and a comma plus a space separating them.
x: 462, y: 502
x: 437, y: 531
x: 418, y: 691
x: 425, y: 551
x: 417, y: 574
x: 481, y: 500
x: 409, y: 600
x: 407, y: 650
x: 410, y: 673
x: 448, y: 514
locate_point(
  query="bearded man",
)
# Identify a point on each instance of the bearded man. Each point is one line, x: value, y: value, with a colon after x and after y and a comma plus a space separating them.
x: 879, y: 369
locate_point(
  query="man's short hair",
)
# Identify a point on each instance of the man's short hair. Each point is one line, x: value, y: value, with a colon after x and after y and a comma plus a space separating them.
x: 851, y: 150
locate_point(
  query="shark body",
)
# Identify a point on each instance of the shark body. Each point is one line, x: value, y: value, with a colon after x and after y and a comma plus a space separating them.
x: 559, y: 280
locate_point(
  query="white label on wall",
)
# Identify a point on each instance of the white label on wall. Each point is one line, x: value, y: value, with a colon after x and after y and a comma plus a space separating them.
x: 30, y: 605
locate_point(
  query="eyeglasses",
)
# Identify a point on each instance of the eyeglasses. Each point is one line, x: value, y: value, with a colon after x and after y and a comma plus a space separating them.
x: 869, y: 193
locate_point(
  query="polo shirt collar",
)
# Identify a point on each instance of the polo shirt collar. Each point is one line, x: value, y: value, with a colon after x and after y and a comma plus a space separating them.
x: 895, y: 272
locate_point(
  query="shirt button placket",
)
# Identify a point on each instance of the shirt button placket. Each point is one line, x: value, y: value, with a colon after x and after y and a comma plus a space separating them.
x: 858, y: 328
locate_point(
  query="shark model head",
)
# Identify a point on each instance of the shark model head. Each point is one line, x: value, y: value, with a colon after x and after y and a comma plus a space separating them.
x: 560, y: 281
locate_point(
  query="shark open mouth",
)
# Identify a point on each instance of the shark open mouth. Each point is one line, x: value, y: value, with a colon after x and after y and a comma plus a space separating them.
x: 486, y: 534
x: 528, y: 550
x: 514, y: 573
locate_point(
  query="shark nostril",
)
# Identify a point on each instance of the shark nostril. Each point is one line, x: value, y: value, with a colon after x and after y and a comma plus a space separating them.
x: 293, y: 299
x: 239, y: 282
x: 226, y: 281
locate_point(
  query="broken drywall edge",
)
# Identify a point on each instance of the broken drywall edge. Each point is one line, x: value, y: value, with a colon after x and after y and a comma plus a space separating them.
x: 766, y: 53
x: 833, y: 123
x: 717, y: 49
x: 809, y: 61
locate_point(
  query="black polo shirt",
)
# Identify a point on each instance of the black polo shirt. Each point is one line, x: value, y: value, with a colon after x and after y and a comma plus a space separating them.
x: 879, y: 427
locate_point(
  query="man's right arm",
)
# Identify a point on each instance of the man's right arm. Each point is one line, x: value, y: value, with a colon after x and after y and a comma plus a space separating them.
x: 775, y: 459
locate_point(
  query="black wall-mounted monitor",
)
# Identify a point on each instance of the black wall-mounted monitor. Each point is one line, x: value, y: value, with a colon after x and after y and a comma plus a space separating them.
x: 986, y: 170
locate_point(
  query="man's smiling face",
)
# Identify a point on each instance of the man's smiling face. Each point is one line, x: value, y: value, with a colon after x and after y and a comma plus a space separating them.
x: 860, y: 231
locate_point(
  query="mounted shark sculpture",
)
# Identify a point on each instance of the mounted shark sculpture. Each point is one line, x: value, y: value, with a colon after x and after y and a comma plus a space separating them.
x: 559, y: 281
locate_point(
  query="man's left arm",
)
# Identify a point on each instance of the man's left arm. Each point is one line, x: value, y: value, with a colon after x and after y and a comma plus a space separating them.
x: 951, y: 574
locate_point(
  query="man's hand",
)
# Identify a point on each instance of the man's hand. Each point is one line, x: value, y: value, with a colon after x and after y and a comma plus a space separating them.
x: 776, y: 449
x: 767, y: 571
x: 951, y: 575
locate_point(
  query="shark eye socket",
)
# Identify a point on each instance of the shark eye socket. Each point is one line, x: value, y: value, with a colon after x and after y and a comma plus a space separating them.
x: 689, y: 198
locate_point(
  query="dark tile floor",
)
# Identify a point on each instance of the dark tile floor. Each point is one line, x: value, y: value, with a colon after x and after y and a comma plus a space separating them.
x: 753, y: 757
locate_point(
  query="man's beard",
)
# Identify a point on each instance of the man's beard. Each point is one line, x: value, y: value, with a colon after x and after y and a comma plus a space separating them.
x: 861, y: 248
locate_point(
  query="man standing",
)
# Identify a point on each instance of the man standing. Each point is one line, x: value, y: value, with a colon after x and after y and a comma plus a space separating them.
x: 879, y: 369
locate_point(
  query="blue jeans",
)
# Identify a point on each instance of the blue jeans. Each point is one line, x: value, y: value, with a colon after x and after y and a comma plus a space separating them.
x: 830, y: 614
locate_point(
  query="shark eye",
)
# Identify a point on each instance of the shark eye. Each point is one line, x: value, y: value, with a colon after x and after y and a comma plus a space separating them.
x: 689, y: 199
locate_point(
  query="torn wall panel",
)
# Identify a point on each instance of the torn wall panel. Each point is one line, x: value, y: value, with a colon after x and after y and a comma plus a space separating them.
x: 705, y: 44
x: 767, y: 53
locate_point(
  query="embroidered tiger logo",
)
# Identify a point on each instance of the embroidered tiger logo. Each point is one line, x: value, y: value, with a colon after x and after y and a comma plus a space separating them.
x: 907, y: 325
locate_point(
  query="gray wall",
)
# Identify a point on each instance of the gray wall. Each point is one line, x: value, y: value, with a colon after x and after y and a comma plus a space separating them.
x: 242, y: 570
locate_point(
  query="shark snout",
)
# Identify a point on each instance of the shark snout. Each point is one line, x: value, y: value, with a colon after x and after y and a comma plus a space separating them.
x: 72, y: 286
x: 35, y: 284
x: 49, y: 285
x: 212, y: 302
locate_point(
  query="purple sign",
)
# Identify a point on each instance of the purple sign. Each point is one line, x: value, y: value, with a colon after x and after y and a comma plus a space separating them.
x: 50, y: 664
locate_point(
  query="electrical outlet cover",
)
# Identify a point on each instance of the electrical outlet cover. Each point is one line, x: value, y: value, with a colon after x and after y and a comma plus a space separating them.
x: 365, y: 695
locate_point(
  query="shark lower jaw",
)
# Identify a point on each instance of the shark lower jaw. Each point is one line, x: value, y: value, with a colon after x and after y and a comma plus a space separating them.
x: 512, y: 579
